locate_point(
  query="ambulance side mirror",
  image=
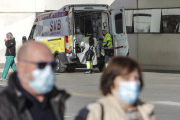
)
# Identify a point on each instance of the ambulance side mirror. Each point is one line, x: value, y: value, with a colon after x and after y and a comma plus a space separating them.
x: 24, y: 39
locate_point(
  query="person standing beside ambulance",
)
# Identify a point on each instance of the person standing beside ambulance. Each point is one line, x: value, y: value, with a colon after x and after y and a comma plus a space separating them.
x: 90, y: 56
x: 10, y: 55
x: 107, y: 46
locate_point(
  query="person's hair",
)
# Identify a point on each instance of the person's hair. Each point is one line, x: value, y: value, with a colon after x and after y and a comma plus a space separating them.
x: 105, y: 31
x: 10, y: 34
x: 77, y: 26
x: 118, y: 66
x: 91, y: 40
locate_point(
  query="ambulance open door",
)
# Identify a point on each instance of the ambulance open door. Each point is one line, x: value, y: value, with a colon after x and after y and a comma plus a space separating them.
x: 71, y: 41
x: 120, y: 42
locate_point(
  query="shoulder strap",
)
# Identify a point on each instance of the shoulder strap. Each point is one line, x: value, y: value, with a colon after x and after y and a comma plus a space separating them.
x: 102, y: 111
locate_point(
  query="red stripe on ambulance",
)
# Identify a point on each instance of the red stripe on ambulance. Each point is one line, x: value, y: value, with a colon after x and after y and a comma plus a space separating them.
x: 119, y: 47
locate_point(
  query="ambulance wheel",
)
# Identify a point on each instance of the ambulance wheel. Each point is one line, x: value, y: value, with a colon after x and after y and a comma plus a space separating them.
x: 70, y: 69
x: 59, y: 68
x: 101, y: 67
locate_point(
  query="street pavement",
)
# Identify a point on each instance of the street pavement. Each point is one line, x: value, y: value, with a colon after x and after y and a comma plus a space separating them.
x: 161, y: 89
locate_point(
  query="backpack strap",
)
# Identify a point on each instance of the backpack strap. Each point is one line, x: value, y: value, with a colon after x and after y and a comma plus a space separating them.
x: 102, y: 111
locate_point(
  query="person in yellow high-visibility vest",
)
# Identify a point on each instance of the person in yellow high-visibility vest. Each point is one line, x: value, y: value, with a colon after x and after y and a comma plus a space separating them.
x: 107, y: 46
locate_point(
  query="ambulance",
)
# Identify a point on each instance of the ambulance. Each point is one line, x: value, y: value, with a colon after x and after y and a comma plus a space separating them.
x: 57, y: 30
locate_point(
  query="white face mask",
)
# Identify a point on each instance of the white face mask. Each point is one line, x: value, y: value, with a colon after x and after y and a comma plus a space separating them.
x: 129, y: 91
x: 43, y: 81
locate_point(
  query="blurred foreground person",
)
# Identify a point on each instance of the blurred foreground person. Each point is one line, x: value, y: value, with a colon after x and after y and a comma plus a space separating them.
x: 31, y: 94
x: 121, y: 84
x: 10, y: 44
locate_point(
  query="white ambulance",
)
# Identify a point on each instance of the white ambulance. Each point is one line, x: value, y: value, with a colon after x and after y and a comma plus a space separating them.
x: 56, y: 29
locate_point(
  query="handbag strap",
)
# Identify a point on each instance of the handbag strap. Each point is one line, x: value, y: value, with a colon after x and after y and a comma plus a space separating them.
x: 102, y: 111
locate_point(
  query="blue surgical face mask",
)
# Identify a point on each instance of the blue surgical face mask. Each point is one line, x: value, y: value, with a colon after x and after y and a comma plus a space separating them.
x: 129, y: 91
x: 78, y: 30
x: 43, y: 81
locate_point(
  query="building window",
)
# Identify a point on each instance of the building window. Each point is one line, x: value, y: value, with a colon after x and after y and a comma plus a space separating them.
x: 142, y: 21
x: 129, y: 20
x: 119, y: 23
x: 155, y: 21
x: 171, y: 20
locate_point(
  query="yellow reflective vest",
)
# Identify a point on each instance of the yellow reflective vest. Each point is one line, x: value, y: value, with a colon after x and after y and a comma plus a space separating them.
x: 107, y: 42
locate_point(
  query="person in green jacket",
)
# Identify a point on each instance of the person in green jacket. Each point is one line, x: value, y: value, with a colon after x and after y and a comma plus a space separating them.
x: 10, y: 44
x: 107, y: 46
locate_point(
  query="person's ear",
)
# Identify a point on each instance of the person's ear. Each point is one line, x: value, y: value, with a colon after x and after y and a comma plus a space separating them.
x: 20, y: 67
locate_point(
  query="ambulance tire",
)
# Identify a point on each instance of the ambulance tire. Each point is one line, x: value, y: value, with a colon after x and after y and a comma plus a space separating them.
x: 101, y: 67
x: 70, y: 69
x: 60, y: 67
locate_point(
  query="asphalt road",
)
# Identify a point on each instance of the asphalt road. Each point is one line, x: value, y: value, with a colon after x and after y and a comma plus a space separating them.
x: 162, y: 89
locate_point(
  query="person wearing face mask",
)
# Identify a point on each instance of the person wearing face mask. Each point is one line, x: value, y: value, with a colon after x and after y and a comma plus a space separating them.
x: 31, y: 94
x: 120, y: 84
x: 78, y: 30
x: 107, y: 46
x: 79, y: 36
x: 10, y: 44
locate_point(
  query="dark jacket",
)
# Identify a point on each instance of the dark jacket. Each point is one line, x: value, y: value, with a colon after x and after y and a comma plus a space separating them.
x: 91, y: 41
x: 11, y: 47
x: 13, y: 103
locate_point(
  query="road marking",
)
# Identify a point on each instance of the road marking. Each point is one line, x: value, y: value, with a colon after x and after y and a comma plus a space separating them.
x: 86, y: 94
x: 167, y: 103
x: 170, y: 78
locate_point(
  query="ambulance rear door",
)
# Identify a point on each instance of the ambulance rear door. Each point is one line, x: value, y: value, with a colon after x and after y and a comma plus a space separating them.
x: 71, y: 39
x: 120, y: 41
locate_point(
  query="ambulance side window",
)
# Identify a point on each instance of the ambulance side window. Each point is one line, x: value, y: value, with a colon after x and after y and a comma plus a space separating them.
x: 33, y: 33
x: 119, y: 23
